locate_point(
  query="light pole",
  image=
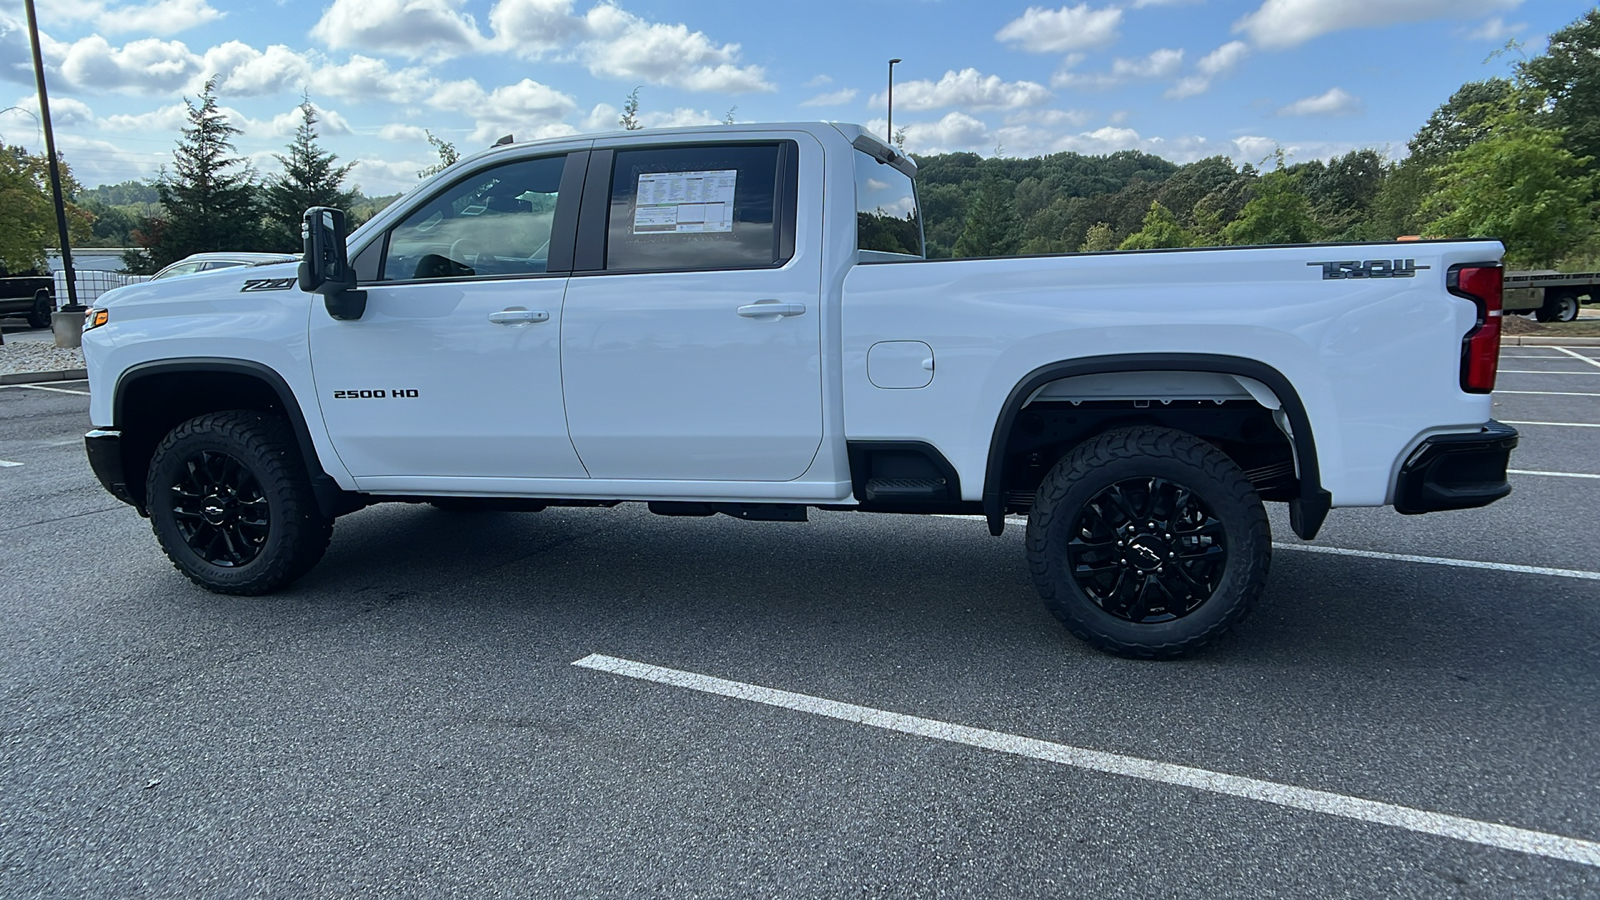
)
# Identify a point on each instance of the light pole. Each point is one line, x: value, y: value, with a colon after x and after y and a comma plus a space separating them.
x: 55, y: 171
x: 891, y: 99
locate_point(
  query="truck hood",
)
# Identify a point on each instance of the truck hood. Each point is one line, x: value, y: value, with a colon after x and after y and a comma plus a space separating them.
x: 217, y: 286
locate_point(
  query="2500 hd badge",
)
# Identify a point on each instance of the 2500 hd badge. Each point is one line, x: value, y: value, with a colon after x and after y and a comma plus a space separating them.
x: 379, y: 394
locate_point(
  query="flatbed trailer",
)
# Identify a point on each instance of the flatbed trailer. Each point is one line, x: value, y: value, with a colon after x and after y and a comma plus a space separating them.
x: 1550, y: 296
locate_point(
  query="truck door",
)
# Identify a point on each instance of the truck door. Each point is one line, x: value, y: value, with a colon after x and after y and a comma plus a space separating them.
x: 454, y: 369
x: 692, y: 333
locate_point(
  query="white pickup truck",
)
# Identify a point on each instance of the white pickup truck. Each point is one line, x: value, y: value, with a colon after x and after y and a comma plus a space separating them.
x: 740, y: 320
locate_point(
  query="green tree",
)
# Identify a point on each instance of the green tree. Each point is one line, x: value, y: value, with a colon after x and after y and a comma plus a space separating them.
x: 1567, y: 75
x: 629, y: 120
x: 1098, y: 239
x: 992, y: 228
x: 28, y: 210
x: 1279, y: 213
x: 447, y: 154
x: 1161, y: 229
x: 1460, y: 121
x: 309, y: 179
x: 210, y: 198
x: 1520, y: 184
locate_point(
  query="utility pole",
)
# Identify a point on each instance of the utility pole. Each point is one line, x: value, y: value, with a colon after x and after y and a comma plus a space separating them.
x: 55, y: 170
x: 891, y: 96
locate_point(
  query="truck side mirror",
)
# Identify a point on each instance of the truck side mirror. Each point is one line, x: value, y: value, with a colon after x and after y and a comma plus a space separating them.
x: 325, y: 268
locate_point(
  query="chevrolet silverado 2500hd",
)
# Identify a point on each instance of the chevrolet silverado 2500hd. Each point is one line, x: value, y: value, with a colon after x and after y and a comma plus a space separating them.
x: 739, y: 320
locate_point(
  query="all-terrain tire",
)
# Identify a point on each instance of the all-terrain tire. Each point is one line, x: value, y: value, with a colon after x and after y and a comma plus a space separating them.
x: 231, y: 503
x: 1208, y: 559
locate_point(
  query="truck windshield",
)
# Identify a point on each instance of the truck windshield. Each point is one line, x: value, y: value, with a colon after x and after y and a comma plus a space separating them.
x: 887, y: 219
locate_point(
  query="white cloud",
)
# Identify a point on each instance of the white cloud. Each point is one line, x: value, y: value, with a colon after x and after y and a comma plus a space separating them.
x: 413, y: 28
x: 526, y: 109
x: 402, y: 133
x: 956, y: 131
x: 1159, y: 64
x: 365, y: 78
x: 1218, y: 62
x: 1334, y: 102
x: 534, y: 27
x: 147, y: 66
x: 244, y: 71
x: 64, y: 112
x: 681, y: 117
x: 529, y: 100
x: 832, y: 98
x: 966, y: 88
x: 604, y: 117
x: 1049, y: 118
x: 1040, y: 30
x: 166, y: 119
x: 628, y: 48
x: 285, y: 124
x: 818, y: 81
x: 1280, y: 24
x: 1495, y: 29
x: 160, y: 17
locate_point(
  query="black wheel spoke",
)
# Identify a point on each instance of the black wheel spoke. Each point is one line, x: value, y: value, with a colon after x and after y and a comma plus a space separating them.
x: 1147, y: 550
x: 219, y: 509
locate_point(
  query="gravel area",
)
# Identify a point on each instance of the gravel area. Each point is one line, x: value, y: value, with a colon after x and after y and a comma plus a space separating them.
x: 37, y: 356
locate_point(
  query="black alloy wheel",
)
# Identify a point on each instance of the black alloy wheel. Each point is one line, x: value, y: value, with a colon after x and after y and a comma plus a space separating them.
x: 220, y: 509
x: 1147, y: 550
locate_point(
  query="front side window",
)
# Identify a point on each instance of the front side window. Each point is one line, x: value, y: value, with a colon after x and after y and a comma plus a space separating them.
x: 887, y: 219
x: 493, y: 222
x: 696, y: 207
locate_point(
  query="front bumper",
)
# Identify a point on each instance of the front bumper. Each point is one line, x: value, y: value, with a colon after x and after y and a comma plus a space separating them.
x: 1456, y: 471
x: 105, y: 458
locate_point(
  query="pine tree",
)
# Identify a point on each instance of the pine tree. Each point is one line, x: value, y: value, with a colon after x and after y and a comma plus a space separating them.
x: 210, y: 198
x: 309, y: 179
x: 629, y: 119
x: 992, y: 228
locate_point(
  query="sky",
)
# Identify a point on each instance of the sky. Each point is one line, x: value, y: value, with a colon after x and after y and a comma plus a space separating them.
x: 1183, y: 79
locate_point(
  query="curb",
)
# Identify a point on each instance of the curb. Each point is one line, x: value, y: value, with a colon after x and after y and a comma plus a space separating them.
x: 1537, y: 340
x: 35, y: 377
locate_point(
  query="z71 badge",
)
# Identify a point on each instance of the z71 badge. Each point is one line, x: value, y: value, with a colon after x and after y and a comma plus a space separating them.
x: 267, y: 284
x: 1372, y: 268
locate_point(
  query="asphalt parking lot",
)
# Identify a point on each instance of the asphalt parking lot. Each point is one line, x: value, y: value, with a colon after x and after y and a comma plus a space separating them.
x: 861, y: 705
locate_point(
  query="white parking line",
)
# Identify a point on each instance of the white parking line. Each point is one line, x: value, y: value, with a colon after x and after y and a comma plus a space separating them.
x: 6, y: 464
x: 1543, y: 372
x: 1489, y: 834
x: 1588, y: 359
x: 1561, y: 424
x: 1552, y: 393
x: 40, y: 387
x: 1551, y: 474
x: 1581, y: 574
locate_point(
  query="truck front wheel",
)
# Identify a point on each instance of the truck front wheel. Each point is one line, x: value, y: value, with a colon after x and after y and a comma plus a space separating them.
x: 1148, y: 542
x: 231, y: 503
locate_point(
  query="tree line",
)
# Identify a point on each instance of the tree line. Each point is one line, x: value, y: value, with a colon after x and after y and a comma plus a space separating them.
x: 1515, y: 158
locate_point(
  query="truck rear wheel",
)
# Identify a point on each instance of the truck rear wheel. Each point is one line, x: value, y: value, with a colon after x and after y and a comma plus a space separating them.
x: 1559, y: 306
x: 231, y: 503
x: 1148, y: 542
x: 39, y: 316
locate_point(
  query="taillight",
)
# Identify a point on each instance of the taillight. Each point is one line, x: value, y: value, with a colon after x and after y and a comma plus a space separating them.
x: 1480, y: 349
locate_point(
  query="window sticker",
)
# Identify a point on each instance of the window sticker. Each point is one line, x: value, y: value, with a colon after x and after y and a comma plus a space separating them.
x: 684, y: 202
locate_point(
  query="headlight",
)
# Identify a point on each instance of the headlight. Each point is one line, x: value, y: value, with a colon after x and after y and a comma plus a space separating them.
x: 94, y: 317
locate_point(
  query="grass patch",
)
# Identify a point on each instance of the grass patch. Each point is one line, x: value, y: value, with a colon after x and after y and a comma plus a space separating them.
x: 1585, y: 327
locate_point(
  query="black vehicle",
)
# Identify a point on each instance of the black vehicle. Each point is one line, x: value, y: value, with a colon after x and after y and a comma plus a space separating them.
x: 27, y: 293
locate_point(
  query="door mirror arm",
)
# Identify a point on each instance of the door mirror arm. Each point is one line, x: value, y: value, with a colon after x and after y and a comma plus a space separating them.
x: 325, y: 267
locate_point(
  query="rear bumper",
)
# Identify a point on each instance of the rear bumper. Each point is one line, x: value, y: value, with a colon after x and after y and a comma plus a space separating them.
x: 105, y: 458
x: 1456, y: 471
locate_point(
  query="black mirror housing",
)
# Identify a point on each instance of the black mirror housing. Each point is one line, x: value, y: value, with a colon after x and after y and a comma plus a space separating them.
x: 325, y: 267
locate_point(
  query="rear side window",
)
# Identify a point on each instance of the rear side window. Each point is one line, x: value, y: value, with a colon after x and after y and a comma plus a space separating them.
x: 887, y: 219
x: 699, y: 207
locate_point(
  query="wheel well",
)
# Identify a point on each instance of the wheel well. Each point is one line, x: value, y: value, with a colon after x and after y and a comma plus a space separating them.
x: 1246, y: 408
x: 149, y: 406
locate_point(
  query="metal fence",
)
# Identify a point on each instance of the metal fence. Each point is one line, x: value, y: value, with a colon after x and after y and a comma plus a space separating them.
x: 91, y: 283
